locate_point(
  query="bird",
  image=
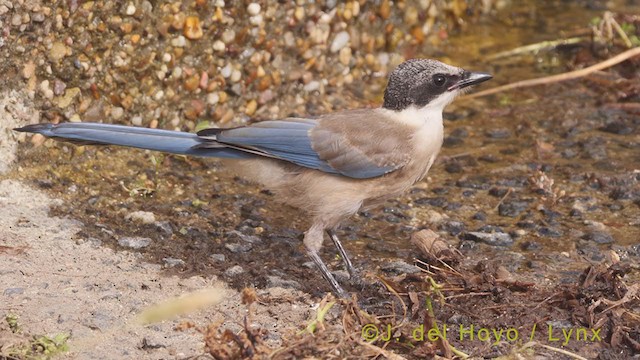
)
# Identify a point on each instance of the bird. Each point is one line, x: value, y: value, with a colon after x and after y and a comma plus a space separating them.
x: 331, y: 165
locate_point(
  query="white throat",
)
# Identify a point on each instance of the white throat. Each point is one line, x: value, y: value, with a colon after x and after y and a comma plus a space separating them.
x: 429, y: 115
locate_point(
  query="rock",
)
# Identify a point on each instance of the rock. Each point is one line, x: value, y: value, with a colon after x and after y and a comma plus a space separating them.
x: 218, y: 257
x: 549, y: 231
x: 340, y: 41
x: 192, y: 29
x: 66, y: 99
x: 599, y: 237
x: 13, y: 291
x: 143, y: 217
x: 276, y: 281
x: 134, y: 242
x: 234, y: 270
x: 172, y: 262
x: 253, y: 9
x: 617, y: 127
x: 493, y: 239
x: 58, y: 51
x: 498, y: 133
x: 400, y: 267
x: 238, y: 247
x: 512, y: 208
x: 164, y: 226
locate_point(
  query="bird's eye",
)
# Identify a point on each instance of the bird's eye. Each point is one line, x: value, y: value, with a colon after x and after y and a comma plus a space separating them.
x: 439, y: 79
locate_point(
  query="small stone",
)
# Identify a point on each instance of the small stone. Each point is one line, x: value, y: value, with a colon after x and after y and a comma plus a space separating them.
x: 236, y: 75
x: 213, y: 98
x: 218, y: 257
x: 117, y: 112
x: 226, y: 71
x: 256, y: 20
x: 13, y: 291
x: 512, y: 208
x: 253, y: 9
x: 617, y: 127
x: 131, y: 9
x: 345, y: 56
x: 252, y: 106
x: 340, y: 41
x: 219, y: 46
x: 238, y: 247
x: 28, y: 70
x: 192, y: 28
x: 312, y: 86
x: 16, y: 20
x: 58, y: 87
x: 599, y: 237
x: 58, y: 51
x: 179, y: 41
x: 400, y: 267
x: 134, y: 242
x: 234, y: 270
x: 166, y: 57
x: 136, y: 120
x: 228, y: 36
x: 298, y: 13
x: 277, y: 281
x: 493, y: 239
x: 164, y: 226
x: 159, y: 95
x: 66, y: 99
x: 498, y: 133
x: 173, y: 262
x: 143, y: 217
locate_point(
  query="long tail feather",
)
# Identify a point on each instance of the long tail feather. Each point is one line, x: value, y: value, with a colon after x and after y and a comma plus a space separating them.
x: 175, y: 142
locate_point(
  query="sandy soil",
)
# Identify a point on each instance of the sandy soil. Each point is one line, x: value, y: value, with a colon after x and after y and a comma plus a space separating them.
x: 56, y: 282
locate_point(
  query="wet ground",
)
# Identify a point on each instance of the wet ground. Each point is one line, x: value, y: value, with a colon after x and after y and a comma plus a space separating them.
x: 538, y: 189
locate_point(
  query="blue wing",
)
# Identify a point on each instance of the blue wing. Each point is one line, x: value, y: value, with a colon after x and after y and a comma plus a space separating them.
x: 291, y: 140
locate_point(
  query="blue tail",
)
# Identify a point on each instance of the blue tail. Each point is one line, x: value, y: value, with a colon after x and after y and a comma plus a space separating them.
x: 175, y: 142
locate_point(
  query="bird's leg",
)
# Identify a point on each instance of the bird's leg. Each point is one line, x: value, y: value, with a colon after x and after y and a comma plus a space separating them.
x: 345, y: 258
x: 313, y: 242
x: 326, y: 274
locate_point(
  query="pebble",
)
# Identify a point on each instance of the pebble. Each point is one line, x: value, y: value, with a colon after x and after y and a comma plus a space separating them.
x: 58, y: 51
x: 340, y: 41
x: 143, y: 217
x: 236, y: 75
x: 134, y: 242
x: 13, y: 291
x: 253, y: 9
x: 493, y: 239
x: 234, y: 270
x: 277, y: 281
x: 213, y: 98
x: 131, y: 9
x: 498, y: 133
x: 67, y: 98
x: 192, y: 28
x: 218, y: 257
x: 136, y: 120
x: 238, y: 247
x: 219, y: 46
x: 228, y: 36
x: 400, y: 267
x: 179, y: 41
x: 512, y: 208
x: 173, y: 262
x: 117, y: 112
x: 599, y: 237
x: 164, y: 226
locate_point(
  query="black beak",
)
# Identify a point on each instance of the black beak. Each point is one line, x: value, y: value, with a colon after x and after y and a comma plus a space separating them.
x: 470, y: 78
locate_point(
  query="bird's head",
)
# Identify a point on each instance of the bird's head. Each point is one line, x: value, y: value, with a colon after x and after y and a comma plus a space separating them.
x: 423, y: 82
